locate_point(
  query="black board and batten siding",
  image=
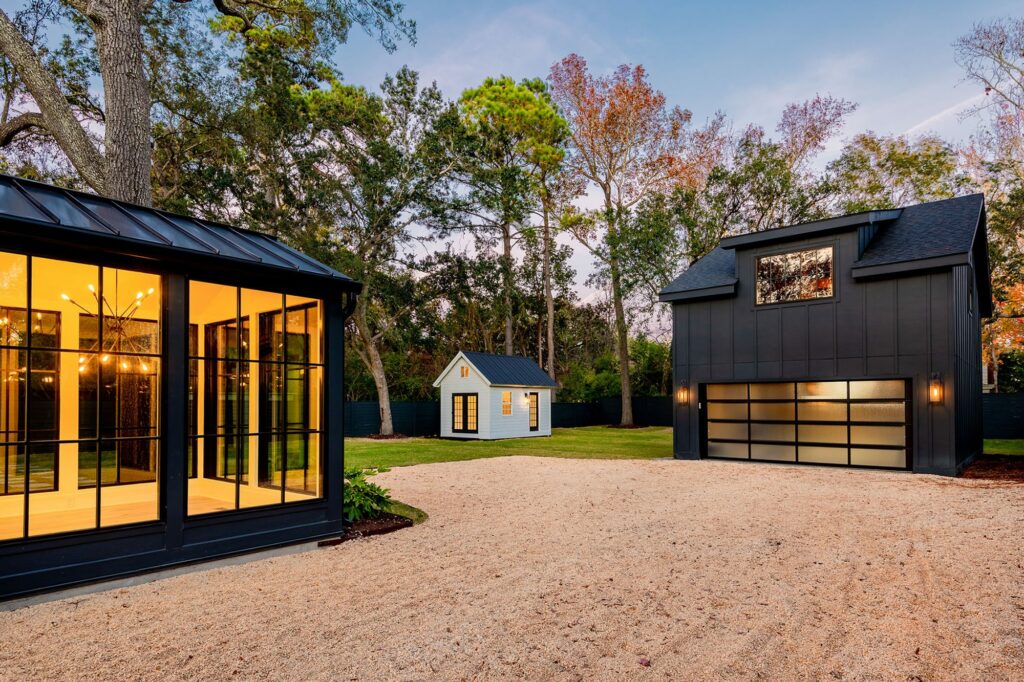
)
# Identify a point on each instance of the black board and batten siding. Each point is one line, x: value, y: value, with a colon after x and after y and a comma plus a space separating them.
x: 898, y: 327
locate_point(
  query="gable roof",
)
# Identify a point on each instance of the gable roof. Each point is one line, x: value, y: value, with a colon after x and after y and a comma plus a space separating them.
x: 931, y: 230
x: 83, y: 218
x: 503, y: 370
x: 930, y: 235
x: 713, y: 274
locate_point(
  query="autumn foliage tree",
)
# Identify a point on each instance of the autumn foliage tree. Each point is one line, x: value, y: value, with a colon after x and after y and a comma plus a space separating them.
x: 627, y: 143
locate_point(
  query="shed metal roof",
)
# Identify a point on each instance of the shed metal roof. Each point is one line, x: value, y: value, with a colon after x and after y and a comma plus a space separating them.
x: 509, y: 370
x: 80, y: 214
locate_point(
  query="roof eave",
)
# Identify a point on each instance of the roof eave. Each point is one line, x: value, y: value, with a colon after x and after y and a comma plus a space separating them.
x: 915, y: 265
x: 791, y: 232
x: 705, y: 292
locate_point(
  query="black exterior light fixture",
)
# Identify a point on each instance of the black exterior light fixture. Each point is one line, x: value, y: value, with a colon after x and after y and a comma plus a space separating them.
x: 935, y: 389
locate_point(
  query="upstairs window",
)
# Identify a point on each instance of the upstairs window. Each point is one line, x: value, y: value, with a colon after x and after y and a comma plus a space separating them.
x: 463, y: 371
x: 506, y: 403
x: 795, y: 276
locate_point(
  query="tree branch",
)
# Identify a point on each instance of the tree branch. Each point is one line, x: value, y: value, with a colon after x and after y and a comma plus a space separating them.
x: 57, y: 115
x: 18, y: 124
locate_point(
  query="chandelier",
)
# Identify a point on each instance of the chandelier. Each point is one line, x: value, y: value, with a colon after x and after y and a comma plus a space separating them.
x: 116, y: 326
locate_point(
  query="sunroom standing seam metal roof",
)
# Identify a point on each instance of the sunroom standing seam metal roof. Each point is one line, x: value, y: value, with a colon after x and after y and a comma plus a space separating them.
x: 37, y: 203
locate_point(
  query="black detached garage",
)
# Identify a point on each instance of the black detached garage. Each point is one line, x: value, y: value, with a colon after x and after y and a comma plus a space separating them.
x: 171, y: 389
x: 852, y: 341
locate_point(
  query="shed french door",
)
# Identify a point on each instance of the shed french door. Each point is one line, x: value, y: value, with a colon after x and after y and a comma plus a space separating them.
x: 849, y: 423
x: 464, y: 412
x: 534, y: 411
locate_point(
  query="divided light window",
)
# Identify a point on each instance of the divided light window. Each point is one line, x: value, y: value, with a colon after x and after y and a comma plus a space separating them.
x: 80, y: 371
x: 795, y: 276
x: 506, y: 403
x: 255, y: 381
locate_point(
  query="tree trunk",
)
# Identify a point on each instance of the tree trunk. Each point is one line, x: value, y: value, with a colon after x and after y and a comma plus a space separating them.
x: 374, y: 364
x: 507, y: 283
x: 622, y: 342
x: 126, y: 98
x: 549, y: 299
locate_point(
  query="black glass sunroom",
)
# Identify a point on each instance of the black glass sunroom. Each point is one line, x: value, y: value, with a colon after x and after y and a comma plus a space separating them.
x: 170, y: 389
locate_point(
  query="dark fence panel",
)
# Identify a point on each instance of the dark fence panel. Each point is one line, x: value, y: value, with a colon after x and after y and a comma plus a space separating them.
x: 1003, y: 415
x: 571, y: 415
x: 647, y: 410
x: 420, y: 418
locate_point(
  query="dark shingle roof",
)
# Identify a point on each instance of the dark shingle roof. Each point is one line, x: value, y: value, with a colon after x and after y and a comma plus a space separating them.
x: 932, y: 230
x: 509, y: 370
x: 81, y: 215
x: 716, y: 269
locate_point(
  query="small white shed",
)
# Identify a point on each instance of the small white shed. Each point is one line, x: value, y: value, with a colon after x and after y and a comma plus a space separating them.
x: 486, y: 397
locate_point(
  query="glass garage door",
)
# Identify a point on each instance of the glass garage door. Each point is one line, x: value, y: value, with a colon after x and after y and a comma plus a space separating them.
x: 853, y: 423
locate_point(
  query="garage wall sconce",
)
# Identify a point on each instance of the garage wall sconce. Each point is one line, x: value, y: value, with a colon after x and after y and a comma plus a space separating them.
x: 683, y: 395
x: 935, y: 389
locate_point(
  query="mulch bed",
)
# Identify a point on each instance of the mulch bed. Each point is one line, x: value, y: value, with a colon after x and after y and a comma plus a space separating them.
x: 388, y: 523
x: 1005, y: 468
x: 394, y: 436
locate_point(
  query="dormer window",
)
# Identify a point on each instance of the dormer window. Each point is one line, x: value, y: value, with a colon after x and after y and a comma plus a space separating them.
x: 795, y: 276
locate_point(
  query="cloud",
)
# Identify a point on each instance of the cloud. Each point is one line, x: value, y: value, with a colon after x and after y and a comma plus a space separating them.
x: 948, y: 115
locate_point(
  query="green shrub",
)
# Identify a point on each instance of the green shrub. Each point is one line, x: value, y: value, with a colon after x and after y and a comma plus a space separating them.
x: 363, y: 499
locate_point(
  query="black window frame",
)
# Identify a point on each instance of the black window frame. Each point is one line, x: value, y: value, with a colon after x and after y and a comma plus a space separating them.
x: 465, y: 412
x: 833, y: 249
x: 534, y: 410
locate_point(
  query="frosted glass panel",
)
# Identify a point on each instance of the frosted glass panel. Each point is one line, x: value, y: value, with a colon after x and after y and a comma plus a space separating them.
x: 776, y: 411
x: 822, y: 455
x: 822, y: 390
x: 878, y: 458
x: 822, y: 434
x: 776, y: 453
x: 822, y: 412
x: 727, y: 391
x: 783, y: 432
x: 877, y: 389
x: 877, y: 412
x: 727, y: 410
x: 878, y: 435
x: 771, y: 391
x: 733, y: 450
x: 727, y: 430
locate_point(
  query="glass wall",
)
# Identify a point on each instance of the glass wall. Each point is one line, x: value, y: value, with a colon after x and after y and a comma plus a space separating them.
x: 255, y: 396
x: 79, y: 400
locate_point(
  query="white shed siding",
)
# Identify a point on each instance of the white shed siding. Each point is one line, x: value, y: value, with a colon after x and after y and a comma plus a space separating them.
x: 517, y: 425
x: 474, y: 383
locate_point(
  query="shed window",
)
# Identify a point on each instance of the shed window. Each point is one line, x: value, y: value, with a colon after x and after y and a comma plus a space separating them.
x: 80, y: 365
x: 463, y: 371
x: 506, y: 403
x: 795, y: 276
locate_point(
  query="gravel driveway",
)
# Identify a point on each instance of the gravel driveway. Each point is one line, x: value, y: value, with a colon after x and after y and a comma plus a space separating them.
x: 567, y: 569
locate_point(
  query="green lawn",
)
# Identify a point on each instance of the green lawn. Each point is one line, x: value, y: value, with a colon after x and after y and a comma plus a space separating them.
x: 1004, y: 447
x: 590, y: 442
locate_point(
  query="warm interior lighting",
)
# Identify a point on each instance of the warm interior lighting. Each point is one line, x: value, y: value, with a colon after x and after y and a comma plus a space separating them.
x: 935, y: 389
x: 683, y: 395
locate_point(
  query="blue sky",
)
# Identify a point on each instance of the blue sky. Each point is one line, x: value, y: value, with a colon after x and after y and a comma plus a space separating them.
x: 895, y: 59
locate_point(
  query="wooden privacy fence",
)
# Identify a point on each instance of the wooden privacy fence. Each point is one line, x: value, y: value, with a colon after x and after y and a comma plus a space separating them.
x: 1003, y: 414
x: 422, y: 418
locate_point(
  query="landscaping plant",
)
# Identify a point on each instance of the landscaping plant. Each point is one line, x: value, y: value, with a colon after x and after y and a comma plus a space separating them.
x: 363, y: 499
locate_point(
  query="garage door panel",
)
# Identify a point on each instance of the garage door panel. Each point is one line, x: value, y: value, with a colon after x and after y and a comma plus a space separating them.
x: 785, y: 433
x: 863, y: 423
x: 869, y: 457
x: 772, y: 411
x: 730, y: 450
x: 817, y: 454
